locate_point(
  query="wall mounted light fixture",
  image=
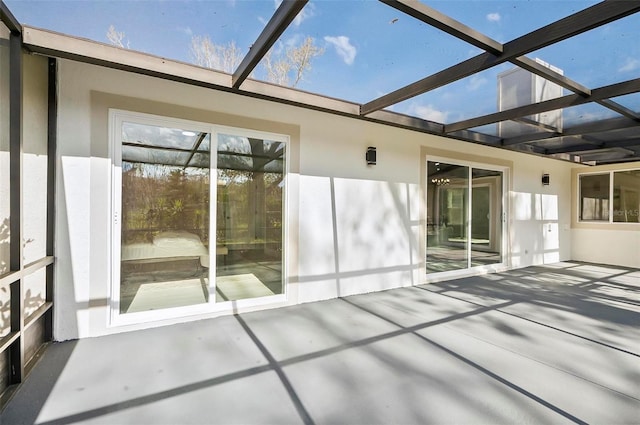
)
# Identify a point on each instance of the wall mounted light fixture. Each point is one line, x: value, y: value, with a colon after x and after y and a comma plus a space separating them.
x: 545, y: 179
x: 371, y: 155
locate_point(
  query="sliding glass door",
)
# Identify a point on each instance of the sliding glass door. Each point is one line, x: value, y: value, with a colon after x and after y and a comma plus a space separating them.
x: 447, y: 229
x: 486, y: 217
x: 172, y: 247
x: 464, y: 216
x: 164, y: 245
x: 249, y: 224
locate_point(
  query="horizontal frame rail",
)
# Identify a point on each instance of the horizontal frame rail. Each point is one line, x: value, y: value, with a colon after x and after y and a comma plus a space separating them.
x: 7, y: 340
x: 33, y: 317
x: 30, y: 268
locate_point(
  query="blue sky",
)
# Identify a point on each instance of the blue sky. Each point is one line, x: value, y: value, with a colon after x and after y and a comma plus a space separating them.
x: 370, y: 48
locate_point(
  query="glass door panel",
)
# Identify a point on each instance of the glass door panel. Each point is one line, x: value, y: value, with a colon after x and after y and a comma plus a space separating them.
x: 249, y: 217
x: 447, y: 217
x: 164, y: 217
x: 486, y: 217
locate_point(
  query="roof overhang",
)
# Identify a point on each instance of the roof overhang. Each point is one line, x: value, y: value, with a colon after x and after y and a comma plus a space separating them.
x: 53, y: 44
x: 63, y: 46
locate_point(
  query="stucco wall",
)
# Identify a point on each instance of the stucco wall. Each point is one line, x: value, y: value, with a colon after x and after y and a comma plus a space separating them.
x: 608, y: 243
x: 352, y: 228
x: 615, y: 246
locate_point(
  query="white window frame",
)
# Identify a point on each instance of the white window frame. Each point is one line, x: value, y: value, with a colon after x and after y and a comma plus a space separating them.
x: 115, y: 318
x: 610, y: 221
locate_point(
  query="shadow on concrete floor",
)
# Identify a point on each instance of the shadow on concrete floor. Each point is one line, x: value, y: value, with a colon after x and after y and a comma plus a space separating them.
x: 547, y: 344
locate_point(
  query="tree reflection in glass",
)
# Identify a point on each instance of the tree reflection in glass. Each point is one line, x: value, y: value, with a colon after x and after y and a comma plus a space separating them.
x: 249, y: 217
x: 165, y: 218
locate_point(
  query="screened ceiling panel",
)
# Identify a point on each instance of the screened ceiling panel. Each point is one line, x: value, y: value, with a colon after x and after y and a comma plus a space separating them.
x: 463, y: 99
x: 600, y: 57
x: 506, y: 20
x: 586, y: 113
x: 490, y: 129
x: 631, y: 101
x: 499, y: 88
x: 367, y: 50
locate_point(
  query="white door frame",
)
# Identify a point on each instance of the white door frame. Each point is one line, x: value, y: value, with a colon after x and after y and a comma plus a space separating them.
x: 115, y: 318
x: 504, y: 246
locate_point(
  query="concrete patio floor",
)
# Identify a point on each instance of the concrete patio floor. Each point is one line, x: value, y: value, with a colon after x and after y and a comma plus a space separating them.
x: 552, y: 344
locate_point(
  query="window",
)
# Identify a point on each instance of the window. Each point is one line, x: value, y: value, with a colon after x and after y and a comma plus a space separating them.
x: 626, y: 196
x: 612, y: 197
x: 594, y: 197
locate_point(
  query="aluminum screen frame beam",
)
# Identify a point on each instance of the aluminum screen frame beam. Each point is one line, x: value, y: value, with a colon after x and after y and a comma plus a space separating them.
x: 278, y: 23
x: 582, y: 21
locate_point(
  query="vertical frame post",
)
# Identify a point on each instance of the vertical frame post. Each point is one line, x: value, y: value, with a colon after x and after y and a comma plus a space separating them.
x: 52, y: 131
x: 16, y: 259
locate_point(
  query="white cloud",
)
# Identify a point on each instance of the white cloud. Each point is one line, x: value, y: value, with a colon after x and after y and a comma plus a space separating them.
x: 343, y: 47
x: 494, y: 17
x: 262, y: 20
x: 631, y: 64
x: 428, y: 112
x: 304, y: 14
x: 186, y: 31
x: 476, y: 82
x: 307, y: 12
x: 294, y: 40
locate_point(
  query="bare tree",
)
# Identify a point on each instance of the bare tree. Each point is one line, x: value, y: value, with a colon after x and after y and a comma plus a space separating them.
x: 277, y: 70
x: 223, y: 57
x: 286, y: 67
x: 115, y: 37
x: 300, y: 58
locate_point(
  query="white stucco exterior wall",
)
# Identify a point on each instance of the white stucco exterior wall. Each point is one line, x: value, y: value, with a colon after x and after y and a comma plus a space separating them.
x: 352, y: 228
x: 615, y: 247
x: 607, y: 243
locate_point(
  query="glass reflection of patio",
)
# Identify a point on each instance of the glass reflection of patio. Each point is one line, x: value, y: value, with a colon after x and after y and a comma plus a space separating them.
x: 447, y: 258
x: 182, y: 283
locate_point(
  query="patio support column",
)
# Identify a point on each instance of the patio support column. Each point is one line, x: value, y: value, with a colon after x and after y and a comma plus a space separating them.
x: 52, y: 129
x: 15, y: 213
